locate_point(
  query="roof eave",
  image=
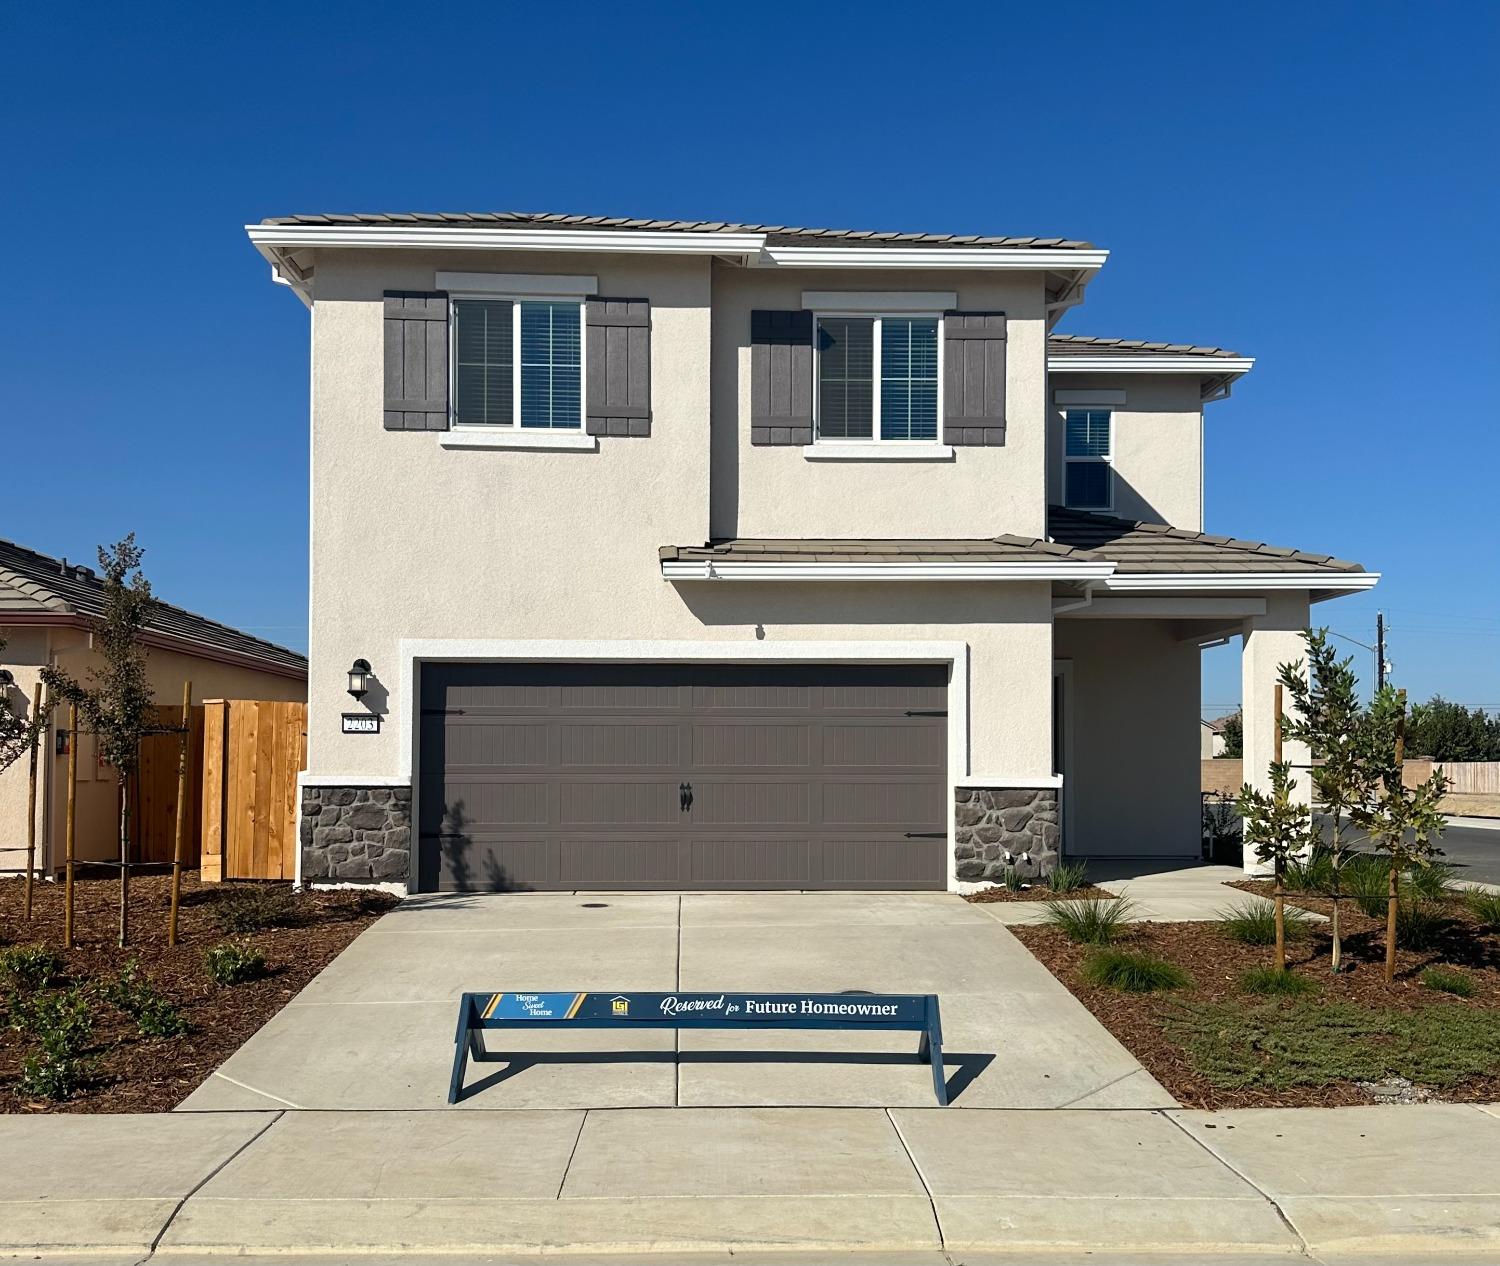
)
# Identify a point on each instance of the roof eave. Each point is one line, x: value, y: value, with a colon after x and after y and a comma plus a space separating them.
x: 714, y: 569
x: 1331, y: 583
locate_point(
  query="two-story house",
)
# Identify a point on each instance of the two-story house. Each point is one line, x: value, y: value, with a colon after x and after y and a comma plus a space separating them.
x: 701, y: 555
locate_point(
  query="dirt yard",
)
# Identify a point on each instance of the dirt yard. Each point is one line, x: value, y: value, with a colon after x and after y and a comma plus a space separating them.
x: 133, y: 1073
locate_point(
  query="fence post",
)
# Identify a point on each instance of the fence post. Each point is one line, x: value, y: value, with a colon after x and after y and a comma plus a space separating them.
x: 215, y: 723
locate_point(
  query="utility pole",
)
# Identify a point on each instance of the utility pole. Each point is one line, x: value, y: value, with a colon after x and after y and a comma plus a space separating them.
x: 1380, y: 650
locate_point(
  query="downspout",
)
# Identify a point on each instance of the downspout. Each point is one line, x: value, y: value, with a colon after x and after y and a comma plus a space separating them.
x: 1077, y: 604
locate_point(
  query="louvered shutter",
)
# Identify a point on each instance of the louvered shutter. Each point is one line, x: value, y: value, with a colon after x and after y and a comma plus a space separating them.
x: 781, y: 379
x: 974, y: 378
x: 618, y: 388
x: 416, y: 360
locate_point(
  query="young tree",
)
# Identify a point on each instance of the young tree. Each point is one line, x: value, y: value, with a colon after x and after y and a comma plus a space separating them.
x: 1402, y: 822
x: 1278, y: 828
x: 116, y: 706
x: 1328, y: 717
x: 1233, y: 735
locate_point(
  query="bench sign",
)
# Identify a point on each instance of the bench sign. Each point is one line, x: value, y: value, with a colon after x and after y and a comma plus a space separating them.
x: 478, y: 1012
x: 361, y: 723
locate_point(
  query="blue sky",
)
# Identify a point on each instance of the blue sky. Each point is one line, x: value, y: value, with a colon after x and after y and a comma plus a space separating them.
x: 1312, y: 184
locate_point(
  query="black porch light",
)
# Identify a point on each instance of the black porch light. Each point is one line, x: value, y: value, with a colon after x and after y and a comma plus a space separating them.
x: 359, y: 678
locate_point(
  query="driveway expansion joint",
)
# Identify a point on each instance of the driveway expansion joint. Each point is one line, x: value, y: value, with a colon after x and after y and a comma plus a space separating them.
x: 937, y: 1222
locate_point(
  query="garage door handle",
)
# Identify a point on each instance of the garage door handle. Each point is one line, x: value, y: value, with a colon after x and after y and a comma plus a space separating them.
x: 927, y: 835
x: 927, y: 712
x: 685, y: 796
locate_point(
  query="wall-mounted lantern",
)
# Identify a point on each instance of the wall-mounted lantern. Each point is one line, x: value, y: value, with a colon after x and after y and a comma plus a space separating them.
x: 7, y: 679
x: 359, y: 678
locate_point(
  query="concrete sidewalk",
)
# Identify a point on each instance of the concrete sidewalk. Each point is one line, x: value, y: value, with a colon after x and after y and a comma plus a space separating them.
x: 1333, y: 1186
x: 1159, y: 892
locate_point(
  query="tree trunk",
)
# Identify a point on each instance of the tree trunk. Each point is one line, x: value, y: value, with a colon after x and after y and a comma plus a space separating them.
x: 124, y: 862
x: 1337, y: 863
x: 1390, y: 926
x: 1280, y: 902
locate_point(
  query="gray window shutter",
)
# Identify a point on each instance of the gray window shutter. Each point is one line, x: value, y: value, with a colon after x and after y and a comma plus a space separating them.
x: 416, y: 360
x: 974, y: 378
x: 781, y: 379
x: 618, y: 387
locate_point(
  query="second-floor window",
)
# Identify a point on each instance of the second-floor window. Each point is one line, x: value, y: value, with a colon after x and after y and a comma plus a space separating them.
x: 1088, y: 479
x: 518, y: 364
x: 877, y: 378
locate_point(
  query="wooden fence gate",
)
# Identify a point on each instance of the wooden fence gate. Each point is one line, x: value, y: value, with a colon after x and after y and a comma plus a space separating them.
x: 252, y: 752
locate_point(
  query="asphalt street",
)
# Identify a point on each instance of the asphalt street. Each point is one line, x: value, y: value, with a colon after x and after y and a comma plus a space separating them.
x: 1473, y: 851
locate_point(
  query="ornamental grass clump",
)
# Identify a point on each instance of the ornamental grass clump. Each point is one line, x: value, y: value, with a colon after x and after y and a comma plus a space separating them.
x: 1132, y: 973
x: 1254, y: 923
x: 1485, y: 907
x: 1091, y: 921
x: 257, y: 908
x: 1068, y: 876
x: 1419, y: 926
x: 1279, y: 984
x: 1445, y: 981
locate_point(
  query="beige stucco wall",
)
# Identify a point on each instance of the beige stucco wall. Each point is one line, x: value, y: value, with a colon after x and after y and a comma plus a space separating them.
x: 1133, y: 720
x: 1158, y: 445
x: 95, y: 804
x: 778, y: 492
x: 414, y: 541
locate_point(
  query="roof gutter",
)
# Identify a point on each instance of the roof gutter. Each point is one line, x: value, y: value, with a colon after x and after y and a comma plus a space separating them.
x: 713, y: 569
x: 1166, y: 582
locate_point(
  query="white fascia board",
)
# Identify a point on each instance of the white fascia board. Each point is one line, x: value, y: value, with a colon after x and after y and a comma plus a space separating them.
x: 1018, y: 781
x: 1166, y: 582
x: 1199, y: 365
x: 933, y: 257
x: 500, y: 238
x: 705, y: 569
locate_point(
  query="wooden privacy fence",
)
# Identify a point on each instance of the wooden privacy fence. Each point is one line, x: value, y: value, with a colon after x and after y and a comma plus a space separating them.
x: 1472, y: 778
x: 252, y: 752
x: 153, y: 791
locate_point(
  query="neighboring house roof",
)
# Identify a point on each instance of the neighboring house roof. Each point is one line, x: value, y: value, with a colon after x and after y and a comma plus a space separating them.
x: 1154, y: 547
x: 777, y: 234
x: 1085, y: 346
x: 1218, y: 723
x: 1079, y: 545
x: 39, y: 589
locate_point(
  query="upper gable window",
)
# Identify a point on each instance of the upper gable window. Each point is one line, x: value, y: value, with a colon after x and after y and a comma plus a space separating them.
x: 877, y: 378
x: 1088, y: 448
x: 518, y: 363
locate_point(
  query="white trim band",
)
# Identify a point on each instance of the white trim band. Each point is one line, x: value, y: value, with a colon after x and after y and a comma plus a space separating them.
x: 707, y: 569
x: 305, y: 779
x: 1009, y: 780
x: 1037, y: 259
x: 1150, y: 364
x: 487, y: 238
x: 516, y: 437
x: 1165, y: 581
x: 870, y: 451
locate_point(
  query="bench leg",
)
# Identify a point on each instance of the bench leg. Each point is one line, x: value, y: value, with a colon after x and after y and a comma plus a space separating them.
x: 464, y: 1041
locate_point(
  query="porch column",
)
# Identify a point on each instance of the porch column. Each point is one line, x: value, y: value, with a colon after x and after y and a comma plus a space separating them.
x: 1268, y: 641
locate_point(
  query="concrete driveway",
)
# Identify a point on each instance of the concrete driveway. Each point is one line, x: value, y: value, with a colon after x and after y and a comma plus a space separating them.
x: 375, y: 1029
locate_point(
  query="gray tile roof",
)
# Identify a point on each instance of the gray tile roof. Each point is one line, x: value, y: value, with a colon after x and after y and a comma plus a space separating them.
x: 1001, y: 549
x: 38, y: 584
x: 1154, y: 547
x: 777, y: 234
x: 1075, y: 537
x: 1084, y: 345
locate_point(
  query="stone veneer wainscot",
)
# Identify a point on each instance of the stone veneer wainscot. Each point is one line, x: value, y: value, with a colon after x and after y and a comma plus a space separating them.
x: 356, y: 834
x: 992, y: 821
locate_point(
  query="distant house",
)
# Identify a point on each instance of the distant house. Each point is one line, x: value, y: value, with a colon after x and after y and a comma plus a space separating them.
x: 45, y: 609
x: 1211, y: 738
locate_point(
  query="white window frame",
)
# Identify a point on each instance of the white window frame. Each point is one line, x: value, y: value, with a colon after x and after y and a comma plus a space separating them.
x: 908, y: 446
x: 1107, y: 460
x: 513, y: 429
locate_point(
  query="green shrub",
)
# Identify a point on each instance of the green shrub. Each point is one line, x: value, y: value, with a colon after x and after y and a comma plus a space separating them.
x: 1285, y: 984
x: 1484, y: 906
x: 257, y: 907
x: 1419, y: 926
x: 1432, y: 882
x: 28, y: 967
x: 1132, y: 973
x: 1092, y: 921
x: 1012, y: 879
x: 1254, y: 923
x: 138, y: 997
x: 1445, y: 981
x: 233, y: 963
x: 61, y: 1022
x: 1068, y: 876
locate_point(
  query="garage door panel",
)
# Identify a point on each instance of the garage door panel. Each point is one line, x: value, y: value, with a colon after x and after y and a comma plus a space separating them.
x: 620, y: 744
x: 572, y: 776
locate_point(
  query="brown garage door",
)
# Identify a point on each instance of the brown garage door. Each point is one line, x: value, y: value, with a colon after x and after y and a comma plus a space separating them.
x: 612, y: 776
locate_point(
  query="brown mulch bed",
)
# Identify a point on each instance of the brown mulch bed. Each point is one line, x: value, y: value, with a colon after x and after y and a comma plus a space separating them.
x: 1215, y: 963
x: 140, y: 1074
x: 1037, y: 892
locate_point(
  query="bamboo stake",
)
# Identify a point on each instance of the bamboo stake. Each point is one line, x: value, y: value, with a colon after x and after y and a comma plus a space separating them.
x: 182, y: 763
x: 123, y: 784
x: 72, y: 823
x: 36, y: 738
x: 1280, y: 884
x: 1393, y: 892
